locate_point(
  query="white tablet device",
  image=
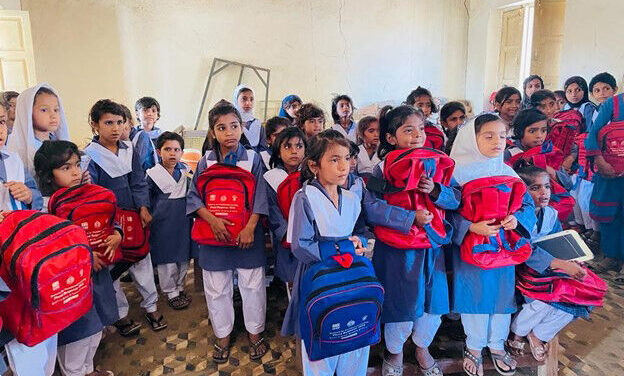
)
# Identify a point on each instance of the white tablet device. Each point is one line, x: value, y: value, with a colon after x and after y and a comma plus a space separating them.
x: 565, y: 245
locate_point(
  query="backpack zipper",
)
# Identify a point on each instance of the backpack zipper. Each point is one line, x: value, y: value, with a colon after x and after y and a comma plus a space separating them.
x: 49, y: 231
x: 321, y: 290
x: 19, y: 226
x: 336, y: 269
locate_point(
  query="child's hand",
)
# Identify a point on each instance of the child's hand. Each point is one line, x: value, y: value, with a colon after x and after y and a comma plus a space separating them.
x: 98, y: 263
x: 510, y: 222
x: 570, y: 268
x: 19, y: 191
x: 357, y: 244
x: 423, y: 217
x: 245, y: 238
x: 425, y: 184
x: 485, y: 228
x: 217, y: 225
x: 551, y: 171
x: 86, y: 178
x: 603, y: 167
x: 567, y: 163
x: 3, y: 213
x: 146, y: 217
x: 112, y: 243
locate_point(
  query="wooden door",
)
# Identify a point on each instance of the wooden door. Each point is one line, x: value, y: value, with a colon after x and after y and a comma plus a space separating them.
x: 510, y: 47
x: 17, y: 61
x: 548, y: 40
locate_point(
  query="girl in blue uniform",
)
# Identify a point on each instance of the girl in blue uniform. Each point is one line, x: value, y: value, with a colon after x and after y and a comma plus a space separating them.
x: 244, y: 101
x: 577, y: 98
x: 414, y: 279
x: 57, y: 164
x: 342, y: 114
x: 290, y: 106
x: 272, y: 128
x: 247, y: 259
x: 116, y: 165
x: 170, y: 236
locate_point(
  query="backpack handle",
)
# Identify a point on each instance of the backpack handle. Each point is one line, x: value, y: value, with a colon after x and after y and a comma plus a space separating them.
x: 434, y: 238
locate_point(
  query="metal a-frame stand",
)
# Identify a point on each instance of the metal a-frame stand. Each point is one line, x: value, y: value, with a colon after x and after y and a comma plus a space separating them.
x: 226, y: 63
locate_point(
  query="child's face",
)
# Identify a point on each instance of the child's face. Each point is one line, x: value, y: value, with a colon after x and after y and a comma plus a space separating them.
x: 12, y: 104
x: 535, y: 134
x: 292, y: 109
x: 246, y: 100
x: 602, y: 92
x: 125, y: 130
x: 492, y: 138
x: 313, y: 126
x: 69, y: 174
x: 4, y: 131
x: 540, y: 190
x: 353, y: 163
x: 46, y: 114
x: 148, y: 117
x: 574, y: 93
x: 424, y: 103
x: 371, y: 134
x: 560, y: 102
x: 170, y: 153
x: 456, y: 119
x: 333, y: 168
x: 228, y: 131
x: 291, y: 153
x: 273, y: 136
x: 109, y: 128
x: 509, y: 108
x: 344, y: 108
x: 411, y: 134
x: 548, y: 107
x: 533, y: 86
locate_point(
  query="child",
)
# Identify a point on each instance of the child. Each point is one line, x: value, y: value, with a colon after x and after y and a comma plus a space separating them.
x: 148, y: 113
x: 273, y: 127
x: 39, y: 116
x: 354, y: 150
x: 507, y: 104
x: 247, y: 258
x: 244, y: 101
x: 57, y: 164
x: 10, y: 99
x: 530, y: 85
x: 128, y: 125
x: 342, y: 113
x: 560, y: 99
x: 485, y: 297
x: 116, y: 165
x: 577, y: 98
x: 140, y: 137
x: 539, y: 321
x: 602, y: 87
x: 545, y: 101
x: 311, y: 120
x: 415, y: 310
x: 288, y: 152
x: 368, y: 133
x: 421, y: 98
x: 607, y: 199
x: 322, y: 211
x: 170, y: 238
x: 290, y: 106
x: 452, y: 116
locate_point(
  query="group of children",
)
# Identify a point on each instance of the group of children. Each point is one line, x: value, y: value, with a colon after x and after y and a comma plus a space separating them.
x: 309, y: 187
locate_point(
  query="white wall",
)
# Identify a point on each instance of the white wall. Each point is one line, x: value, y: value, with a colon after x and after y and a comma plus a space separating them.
x: 373, y: 50
x: 10, y: 4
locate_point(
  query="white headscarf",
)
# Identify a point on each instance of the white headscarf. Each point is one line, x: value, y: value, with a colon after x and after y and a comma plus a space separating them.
x: 470, y: 164
x: 246, y: 115
x: 22, y: 140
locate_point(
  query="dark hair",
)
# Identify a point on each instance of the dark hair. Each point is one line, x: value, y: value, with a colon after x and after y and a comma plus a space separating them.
x: 525, y: 118
x: 391, y: 119
x: 483, y: 119
x: 580, y: 81
x: 221, y: 108
x: 538, y: 96
x: 529, y: 79
x: 105, y: 106
x: 7, y: 96
x: 334, y: 111
x: 418, y: 92
x: 274, y: 123
x: 317, y: 147
x: 44, y: 90
x: 559, y: 93
x: 505, y: 93
x: 528, y: 173
x: 147, y: 102
x: 52, y: 155
x: 364, y: 123
x: 603, y: 77
x: 128, y: 113
x: 306, y: 112
x: 285, y: 136
x: 449, y: 108
x: 354, y: 150
x: 169, y: 136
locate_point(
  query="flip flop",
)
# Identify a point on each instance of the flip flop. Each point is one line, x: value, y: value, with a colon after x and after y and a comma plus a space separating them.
x: 388, y: 369
x: 516, y: 347
x: 538, y: 350
x: 507, y: 360
x: 256, y: 347
x: 156, y: 323
x: 221, y: 354
x: 478, y: 362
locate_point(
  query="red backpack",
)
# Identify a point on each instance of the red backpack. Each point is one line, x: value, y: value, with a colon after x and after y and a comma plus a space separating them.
x: 135, y: 241
x: 285, y: 193
x: 402, y: 172
x: 227, y: 191
x: 554, y: 286
x: 91, y: 207
x: 611, y: 140
x: 564, y: 131
x: 493, y: 198
x: 586, y: 170
x: 435, y: 137
x: 46, y: 262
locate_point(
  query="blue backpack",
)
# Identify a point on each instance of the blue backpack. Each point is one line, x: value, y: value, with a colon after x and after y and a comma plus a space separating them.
x: 341, y: 302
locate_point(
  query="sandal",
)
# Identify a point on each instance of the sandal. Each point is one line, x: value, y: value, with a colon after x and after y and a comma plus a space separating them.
x: 507, y: 360
x: 388, y: 369
x: 101, y: 373
x: 156, y: 323
x: 178, y: 303
x: 127, y: 327
x: 538, y: 350
x: 478, y: 362
x: 434, y: 370
x: 221, y: 354
x: 516, y: 347
x: 257, y: 349
x: 187, y: 297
